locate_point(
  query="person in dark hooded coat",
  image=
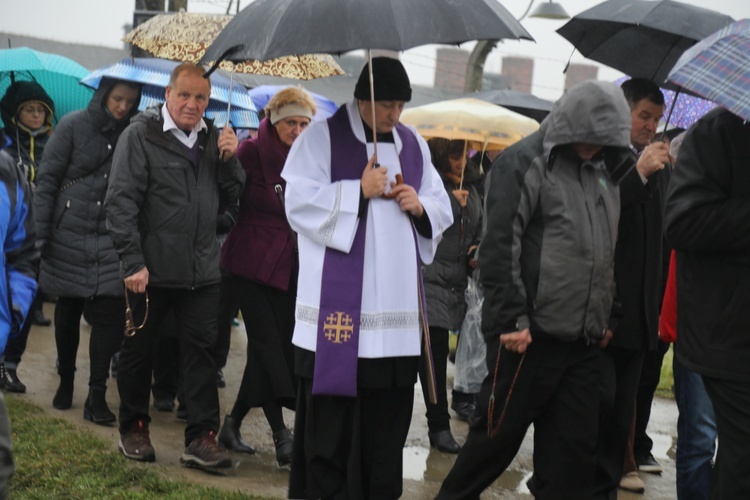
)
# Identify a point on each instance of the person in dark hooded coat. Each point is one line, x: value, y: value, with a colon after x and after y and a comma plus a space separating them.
x: 27, y: 112
x: 79, y: 262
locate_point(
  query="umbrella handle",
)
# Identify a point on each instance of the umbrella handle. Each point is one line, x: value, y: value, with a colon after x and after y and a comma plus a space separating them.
x: 229, y: 104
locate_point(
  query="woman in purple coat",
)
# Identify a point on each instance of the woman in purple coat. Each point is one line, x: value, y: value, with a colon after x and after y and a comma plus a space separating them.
x: 261, y: 255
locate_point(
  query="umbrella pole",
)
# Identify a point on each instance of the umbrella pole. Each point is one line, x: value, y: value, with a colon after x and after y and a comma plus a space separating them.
x: 372, y: 106
x: 463, y: 168
x: 229, y: 100
x: 669, y: 115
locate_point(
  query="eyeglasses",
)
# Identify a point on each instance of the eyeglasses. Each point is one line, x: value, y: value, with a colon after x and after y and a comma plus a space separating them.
x: 130, y: 328
x: 32, y: 109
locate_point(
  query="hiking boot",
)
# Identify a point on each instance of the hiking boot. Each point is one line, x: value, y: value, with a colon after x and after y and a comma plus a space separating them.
x: 95, y: 408
x: 205, y: 453
x: 13, y: 383
x: 136, y: 444
x: 64, y: 396
x: 230, y: 437
x: 283, y: 440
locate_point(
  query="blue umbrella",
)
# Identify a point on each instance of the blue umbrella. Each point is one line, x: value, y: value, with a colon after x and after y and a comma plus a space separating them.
x: 263, y: 93
x: 718, y: 68
x: 57, y: 75
x: 154, y: 74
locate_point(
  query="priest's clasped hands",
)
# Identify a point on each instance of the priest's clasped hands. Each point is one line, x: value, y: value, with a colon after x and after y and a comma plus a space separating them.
x: 374, y: 182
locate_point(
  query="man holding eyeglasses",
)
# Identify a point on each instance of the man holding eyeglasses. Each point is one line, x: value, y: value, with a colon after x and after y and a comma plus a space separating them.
x: 171, y: 170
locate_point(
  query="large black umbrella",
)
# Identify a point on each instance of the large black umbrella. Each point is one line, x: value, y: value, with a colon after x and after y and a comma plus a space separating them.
x: 641, y: 38
x: 267, y: 29
x: 515, y: 100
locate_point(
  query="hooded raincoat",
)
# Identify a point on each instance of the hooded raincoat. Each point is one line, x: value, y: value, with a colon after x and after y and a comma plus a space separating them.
x: 547, y: 258
x: 78, y: 258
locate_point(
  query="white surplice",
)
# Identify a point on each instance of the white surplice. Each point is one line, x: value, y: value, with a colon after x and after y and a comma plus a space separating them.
x: 324, y: 214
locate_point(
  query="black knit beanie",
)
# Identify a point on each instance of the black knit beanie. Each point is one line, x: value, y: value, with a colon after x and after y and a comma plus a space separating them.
x: 390, y: 81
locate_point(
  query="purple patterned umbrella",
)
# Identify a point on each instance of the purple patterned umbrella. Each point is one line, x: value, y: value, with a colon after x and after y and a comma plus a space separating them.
x: 686, y: 110
x: 718, y: 68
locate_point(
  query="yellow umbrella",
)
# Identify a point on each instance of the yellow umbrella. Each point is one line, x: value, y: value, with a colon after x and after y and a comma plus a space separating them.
x: 185, y: 36
x: 485, y: 126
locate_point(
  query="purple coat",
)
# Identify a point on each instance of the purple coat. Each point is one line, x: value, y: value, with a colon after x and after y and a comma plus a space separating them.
x: 260, y: 247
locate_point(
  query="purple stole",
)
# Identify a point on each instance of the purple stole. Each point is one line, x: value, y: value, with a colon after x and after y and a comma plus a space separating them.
x: 337, y: 348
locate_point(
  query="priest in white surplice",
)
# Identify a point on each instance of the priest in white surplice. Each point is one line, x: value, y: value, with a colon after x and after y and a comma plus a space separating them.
x: 363, y: 234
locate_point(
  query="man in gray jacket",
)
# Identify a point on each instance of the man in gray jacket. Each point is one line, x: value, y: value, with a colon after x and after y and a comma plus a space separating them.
x: 552, y: 209
x: 170, y: 172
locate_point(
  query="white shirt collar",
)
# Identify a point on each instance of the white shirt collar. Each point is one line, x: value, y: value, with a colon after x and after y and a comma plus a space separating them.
x: 187, y: 140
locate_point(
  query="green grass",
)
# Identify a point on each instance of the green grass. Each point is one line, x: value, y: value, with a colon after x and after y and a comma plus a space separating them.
x: 664, y: 389
x: 56, y: 459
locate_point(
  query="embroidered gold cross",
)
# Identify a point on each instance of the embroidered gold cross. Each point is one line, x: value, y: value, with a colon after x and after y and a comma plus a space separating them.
x: 338, y: 327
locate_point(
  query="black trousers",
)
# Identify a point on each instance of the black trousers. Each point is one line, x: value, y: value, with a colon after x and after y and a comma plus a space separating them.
x: 167, y: 378
x: 731, y: 475
x: 438, y: 418
x: 556, y: 390
x: 650, y: 376
x: 196, y: 312
x: 620, y: 374
x: 350, y: 448
x: 107, y: 318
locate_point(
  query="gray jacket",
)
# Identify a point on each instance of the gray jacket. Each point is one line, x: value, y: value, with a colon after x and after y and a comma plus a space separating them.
x: 161, y: 207
x: 546, y: 259
x: 78, y: 258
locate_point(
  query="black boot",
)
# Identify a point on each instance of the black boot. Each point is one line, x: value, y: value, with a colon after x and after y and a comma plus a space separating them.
x: 64, y: 396
x: 95, y: 408
x: 230, y: 437
x: 37, y: 316
x: 283, y: 441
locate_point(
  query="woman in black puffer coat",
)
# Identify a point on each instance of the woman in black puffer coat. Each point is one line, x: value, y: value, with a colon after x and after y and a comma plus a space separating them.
x: 79, y: 263
x: 445, y: 280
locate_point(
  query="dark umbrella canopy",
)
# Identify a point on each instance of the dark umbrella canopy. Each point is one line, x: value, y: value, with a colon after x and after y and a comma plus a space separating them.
x: 267, y: 29
x: 641, y: 38
x: 515, y: 100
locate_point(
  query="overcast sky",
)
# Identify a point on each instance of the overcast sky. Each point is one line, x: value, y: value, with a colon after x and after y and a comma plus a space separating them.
x: 100, y: 22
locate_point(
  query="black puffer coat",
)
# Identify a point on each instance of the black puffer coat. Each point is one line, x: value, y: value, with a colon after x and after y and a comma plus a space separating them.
x: 78, y: 257
x: 446, y: 278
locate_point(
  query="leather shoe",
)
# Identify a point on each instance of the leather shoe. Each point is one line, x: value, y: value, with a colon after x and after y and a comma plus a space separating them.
x: 444, y: 441
x: 231, y: 439
x: 648, y: 464
x: 221, y: 382
x: 464, y: 409
x: 632, y: 482
x: 163, y: 404
x: 38, y: 318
